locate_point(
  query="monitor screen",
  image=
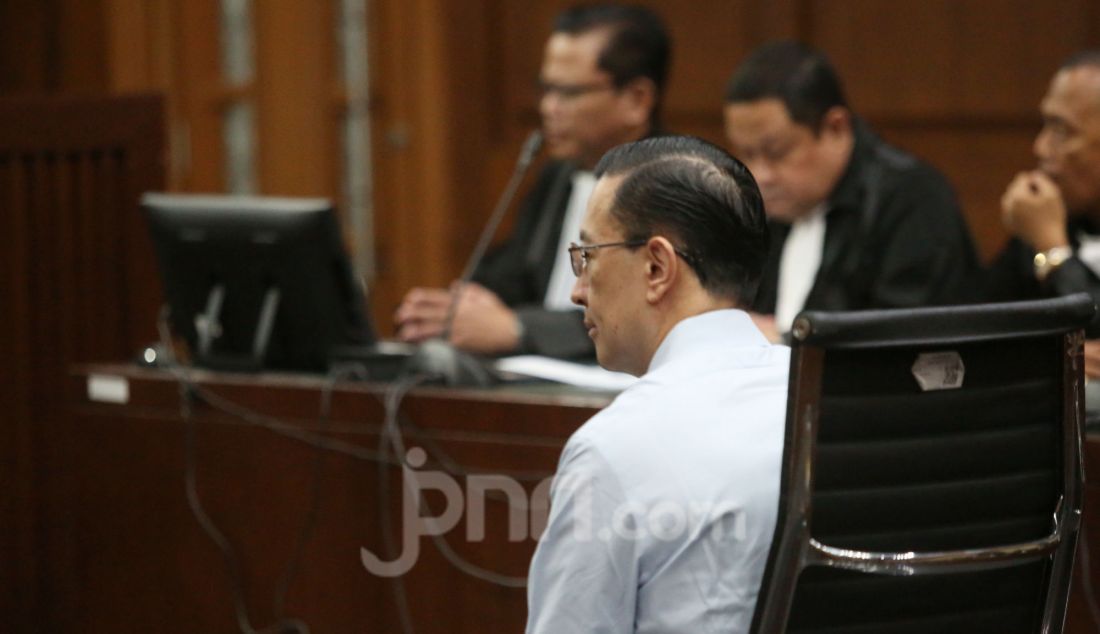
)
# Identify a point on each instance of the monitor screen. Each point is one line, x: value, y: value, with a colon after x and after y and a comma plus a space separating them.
x: 256, y: 282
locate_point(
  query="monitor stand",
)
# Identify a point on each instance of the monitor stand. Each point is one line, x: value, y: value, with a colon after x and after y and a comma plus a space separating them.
x: 208, y: 328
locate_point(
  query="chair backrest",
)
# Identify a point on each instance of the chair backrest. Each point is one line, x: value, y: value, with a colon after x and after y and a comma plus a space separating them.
x: 932, y: 476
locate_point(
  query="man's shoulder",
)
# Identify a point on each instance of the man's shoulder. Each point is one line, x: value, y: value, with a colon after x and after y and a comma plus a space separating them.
x: 892, y: 186
x: 615, y: 427
x: 898, y: 169
x: 665, y: 395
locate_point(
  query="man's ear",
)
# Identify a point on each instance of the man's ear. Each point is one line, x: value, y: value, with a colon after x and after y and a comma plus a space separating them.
x: 662, y: 268
x: 639, y: 98
x: 836, y: 123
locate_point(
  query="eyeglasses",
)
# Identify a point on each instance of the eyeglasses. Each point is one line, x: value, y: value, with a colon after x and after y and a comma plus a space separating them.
x: 571, y: 91
x: 578, y: 253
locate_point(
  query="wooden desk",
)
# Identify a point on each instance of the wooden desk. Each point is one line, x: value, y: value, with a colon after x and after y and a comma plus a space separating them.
x: 126, y: 554
x: 123, y: 552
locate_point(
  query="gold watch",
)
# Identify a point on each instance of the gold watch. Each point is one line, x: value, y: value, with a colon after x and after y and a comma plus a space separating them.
x: 1046, y: 262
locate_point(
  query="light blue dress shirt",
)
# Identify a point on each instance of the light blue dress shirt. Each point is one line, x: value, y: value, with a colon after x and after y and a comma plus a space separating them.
x: 664, y: 504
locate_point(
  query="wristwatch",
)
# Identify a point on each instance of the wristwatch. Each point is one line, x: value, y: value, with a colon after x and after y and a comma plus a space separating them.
x: 1047, y: 261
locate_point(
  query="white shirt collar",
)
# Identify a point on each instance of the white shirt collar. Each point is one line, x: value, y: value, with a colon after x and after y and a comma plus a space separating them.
x: 560, y: 288
x: 712, y: 332
x: 798, y: 265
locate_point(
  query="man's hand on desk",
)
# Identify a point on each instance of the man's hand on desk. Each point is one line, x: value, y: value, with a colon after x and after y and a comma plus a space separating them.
x: 482, y: 323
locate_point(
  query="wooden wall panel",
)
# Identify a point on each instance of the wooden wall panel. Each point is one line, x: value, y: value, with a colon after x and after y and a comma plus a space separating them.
x: 948, y: 58
x: 430, y: 128
x: 295, y: 97
x: 78, y: 287
x: 201, y: 98
x: 23, y: 59
x: 17, y: 575
x: 52, y: 46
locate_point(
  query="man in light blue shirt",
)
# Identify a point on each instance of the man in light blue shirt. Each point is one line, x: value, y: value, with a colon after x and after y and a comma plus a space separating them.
x: 664, y: 504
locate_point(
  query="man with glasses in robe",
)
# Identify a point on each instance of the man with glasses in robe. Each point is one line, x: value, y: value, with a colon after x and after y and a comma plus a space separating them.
x: 602, y: 77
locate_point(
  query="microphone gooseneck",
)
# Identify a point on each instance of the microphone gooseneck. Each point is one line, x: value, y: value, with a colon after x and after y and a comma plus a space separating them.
x: 526, y: 156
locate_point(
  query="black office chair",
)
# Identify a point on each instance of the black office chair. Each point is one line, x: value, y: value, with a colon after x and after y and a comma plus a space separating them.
x: 932, y: 476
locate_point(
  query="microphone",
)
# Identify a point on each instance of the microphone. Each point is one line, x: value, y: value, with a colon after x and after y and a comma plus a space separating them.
x: 438, y: 355
x: 523, y: 162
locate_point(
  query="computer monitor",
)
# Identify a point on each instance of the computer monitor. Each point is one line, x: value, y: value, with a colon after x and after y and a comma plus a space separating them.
x: 256, y: 282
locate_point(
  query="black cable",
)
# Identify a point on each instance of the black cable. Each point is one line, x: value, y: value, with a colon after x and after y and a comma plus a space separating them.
x: 194, y: 502
x: 451, y: 466
x: 398, y: 390
x: 287, y: 430
x: 277, y: 426
x: 394, y: 396
x: 317, y: 473
x: 207, y: 524
x: 388, y: 541
x: 391, y: 432
x: 240, y: 607
x: 282, y: 428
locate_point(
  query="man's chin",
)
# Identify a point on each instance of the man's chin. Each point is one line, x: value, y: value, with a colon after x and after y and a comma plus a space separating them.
x: 614, y: 365
x: 783, y: 212
x: 604, y: 360
x: 560, y: 149
x: 784, y: 218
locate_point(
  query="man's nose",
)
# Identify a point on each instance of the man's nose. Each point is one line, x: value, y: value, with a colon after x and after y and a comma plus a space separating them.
x: 549, y: 104
x: 761, y: 171
x: 1042, y: 145
x: 579, y: 294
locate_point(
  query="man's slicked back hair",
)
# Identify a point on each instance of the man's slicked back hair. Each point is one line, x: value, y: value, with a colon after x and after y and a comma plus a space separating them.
x: 702, y: 200
x: 638, y: 45
x: 797, y: 75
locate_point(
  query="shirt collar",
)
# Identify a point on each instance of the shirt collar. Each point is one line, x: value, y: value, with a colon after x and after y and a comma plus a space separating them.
x: 583, y: 177
x: 725, y: 329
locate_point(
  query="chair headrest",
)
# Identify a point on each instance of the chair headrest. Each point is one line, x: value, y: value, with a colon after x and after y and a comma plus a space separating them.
x: 942, y: 324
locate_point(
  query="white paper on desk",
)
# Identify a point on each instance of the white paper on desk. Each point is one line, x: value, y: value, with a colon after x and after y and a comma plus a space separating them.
x: 579, y: 374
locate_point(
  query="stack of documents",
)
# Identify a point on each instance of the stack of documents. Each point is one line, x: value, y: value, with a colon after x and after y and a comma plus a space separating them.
x: 582, y: 375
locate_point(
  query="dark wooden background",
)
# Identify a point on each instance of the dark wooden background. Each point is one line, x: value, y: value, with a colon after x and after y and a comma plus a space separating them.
x: 452, y: 96
x: 452, y: 91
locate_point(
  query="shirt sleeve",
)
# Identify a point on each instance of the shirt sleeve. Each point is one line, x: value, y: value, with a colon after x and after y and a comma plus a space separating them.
x: 584, y: 575
x: 1011, y: 277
